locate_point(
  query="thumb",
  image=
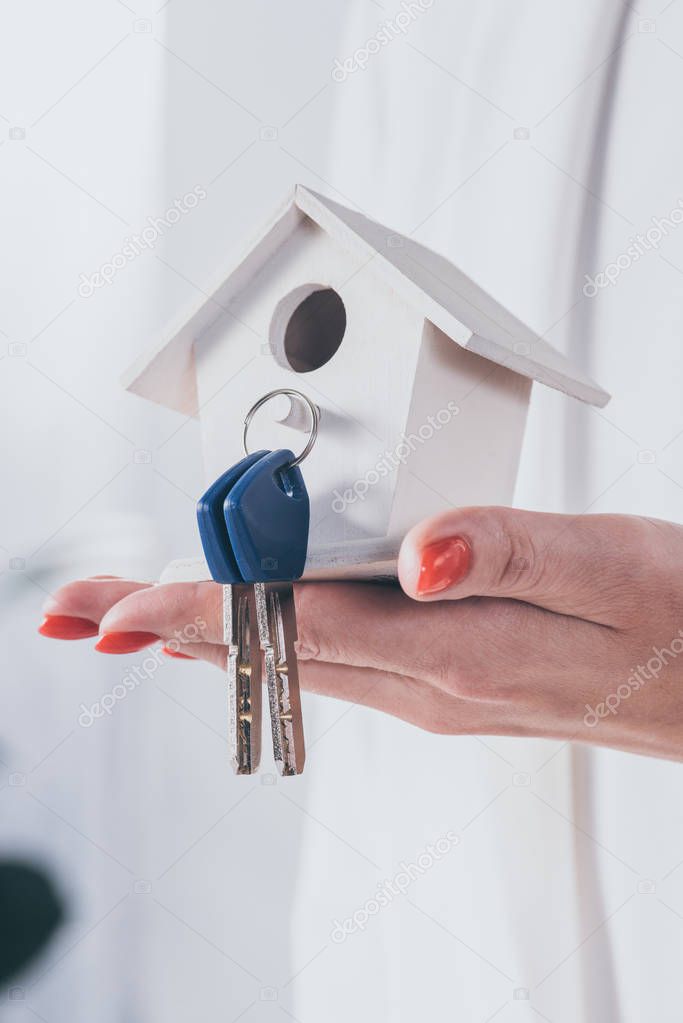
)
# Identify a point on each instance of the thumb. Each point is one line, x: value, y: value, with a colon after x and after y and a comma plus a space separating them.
x: 573, y: 565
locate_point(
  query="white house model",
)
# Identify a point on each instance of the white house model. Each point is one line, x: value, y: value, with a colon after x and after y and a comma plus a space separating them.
x: 422, y: 379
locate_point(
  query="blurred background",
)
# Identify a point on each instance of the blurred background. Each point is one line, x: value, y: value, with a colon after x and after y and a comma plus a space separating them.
x: 495, y: 137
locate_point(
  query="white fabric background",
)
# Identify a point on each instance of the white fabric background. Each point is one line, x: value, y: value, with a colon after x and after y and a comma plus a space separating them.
x: 124, y: 110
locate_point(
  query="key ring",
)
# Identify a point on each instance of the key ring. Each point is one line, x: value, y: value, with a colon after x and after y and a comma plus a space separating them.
x: 312, y: 408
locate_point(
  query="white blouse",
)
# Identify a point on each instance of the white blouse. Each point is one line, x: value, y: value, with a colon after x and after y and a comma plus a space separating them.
x: 532, y: 143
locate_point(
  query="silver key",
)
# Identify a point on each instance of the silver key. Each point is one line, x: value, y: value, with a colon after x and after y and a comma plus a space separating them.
x: 240, y: 634
x: 276, y: 619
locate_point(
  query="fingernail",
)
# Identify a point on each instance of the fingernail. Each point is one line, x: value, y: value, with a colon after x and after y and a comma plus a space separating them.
x: 443, y: 564
x: 67, y: 627
x: 125, y: 642
x: 176, y: 653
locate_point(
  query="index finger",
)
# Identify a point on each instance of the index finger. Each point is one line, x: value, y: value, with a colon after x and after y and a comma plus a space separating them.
x: 480, y: 648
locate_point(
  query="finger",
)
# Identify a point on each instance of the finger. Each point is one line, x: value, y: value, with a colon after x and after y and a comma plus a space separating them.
x: 90, y: 598
x: 405, y: 698
x: 572, y: 565
x: 187, y: 612
x: 412, y: 700
x: 480, y: 649
x: 212, y: 653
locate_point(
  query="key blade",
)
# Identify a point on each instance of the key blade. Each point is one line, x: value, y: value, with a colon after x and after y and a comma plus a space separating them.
x: 283, y: 692
x: 243, y: 677
x: 266, y: 641
x: 249, y: 680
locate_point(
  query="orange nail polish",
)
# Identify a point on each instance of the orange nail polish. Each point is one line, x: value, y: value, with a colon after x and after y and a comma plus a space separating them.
x: 177, y: 653
x: 125, y: 642
x: 443, y: 564
x: 67, y: 627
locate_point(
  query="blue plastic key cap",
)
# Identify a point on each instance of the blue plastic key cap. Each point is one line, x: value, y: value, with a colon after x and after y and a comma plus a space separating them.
x: 211, y: 520
x: 267, y: 512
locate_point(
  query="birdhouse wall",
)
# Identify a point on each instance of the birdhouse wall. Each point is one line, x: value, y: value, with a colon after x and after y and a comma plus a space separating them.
x: 464, y: 434
x: 364, y: 391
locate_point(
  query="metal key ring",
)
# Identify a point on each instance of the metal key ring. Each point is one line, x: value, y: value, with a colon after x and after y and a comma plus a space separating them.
x: 312, y: 408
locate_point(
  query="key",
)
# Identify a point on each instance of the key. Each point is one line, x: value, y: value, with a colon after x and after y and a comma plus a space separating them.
x: 240, y: 632
x: 254, y: 522
x: 267, y: 514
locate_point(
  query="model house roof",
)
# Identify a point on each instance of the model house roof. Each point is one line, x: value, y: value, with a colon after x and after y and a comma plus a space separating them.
x: 443, y: 294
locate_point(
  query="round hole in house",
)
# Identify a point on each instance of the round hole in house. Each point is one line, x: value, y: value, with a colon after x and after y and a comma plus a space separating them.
x: 308, y: 327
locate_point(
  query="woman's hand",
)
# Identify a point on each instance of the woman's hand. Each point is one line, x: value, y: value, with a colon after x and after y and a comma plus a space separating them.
x: 508, y: 623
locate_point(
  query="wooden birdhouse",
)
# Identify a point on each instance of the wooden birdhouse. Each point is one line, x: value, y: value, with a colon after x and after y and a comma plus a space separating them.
x: 422, y: 379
